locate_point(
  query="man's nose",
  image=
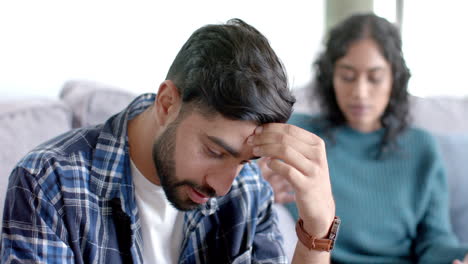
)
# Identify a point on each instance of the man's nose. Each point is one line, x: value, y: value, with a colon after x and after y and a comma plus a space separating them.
x: 222, y: 180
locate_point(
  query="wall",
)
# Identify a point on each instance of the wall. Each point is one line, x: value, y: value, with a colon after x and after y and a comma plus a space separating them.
x: 131, y: 44
x: 435, y: 46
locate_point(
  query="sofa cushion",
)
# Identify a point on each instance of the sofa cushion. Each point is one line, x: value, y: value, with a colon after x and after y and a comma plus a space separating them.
x: 440, y: 114
x: 454, y: 148
x: 305, y: 101
x: 24, y: 125
x: 93, y: 103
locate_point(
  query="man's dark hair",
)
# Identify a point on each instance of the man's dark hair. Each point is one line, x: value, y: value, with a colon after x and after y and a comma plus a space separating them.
x: 231, y: 69
x: 395, y: 118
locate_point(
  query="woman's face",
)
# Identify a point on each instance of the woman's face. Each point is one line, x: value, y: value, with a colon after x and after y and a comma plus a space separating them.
x: 362, y: 81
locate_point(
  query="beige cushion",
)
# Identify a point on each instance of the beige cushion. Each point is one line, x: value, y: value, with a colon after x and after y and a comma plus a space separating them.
x: 441, y: 115
x: 304, y: 104
x: 454, y: 149
x: 24, y: 125
x: 93, y: 103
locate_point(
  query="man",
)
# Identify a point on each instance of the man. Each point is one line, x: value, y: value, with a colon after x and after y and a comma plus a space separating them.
x: 169, y: 179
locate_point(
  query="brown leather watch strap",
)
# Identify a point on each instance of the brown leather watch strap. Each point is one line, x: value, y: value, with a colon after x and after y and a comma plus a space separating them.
x: 320, y: 244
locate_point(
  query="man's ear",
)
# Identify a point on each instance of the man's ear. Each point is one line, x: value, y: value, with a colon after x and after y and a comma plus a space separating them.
x: 167, y: 103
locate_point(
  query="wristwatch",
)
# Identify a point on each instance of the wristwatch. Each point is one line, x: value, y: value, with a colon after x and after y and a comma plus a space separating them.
x: 320, y: 244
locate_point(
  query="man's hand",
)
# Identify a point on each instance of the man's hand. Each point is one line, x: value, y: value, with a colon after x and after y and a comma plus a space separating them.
x: 299, y: 157
x: 282, y: 189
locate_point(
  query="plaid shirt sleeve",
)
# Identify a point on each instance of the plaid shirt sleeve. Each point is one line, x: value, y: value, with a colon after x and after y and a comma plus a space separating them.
x: 33, y: 231
x: 267, y: 242
x: 70, y: 199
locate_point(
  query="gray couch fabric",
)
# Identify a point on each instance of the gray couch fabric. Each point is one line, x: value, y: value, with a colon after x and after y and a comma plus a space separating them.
x: 24, y: 125
x: 27, y: 123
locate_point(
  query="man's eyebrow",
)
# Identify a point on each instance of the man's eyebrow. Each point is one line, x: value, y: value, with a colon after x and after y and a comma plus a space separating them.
x: 228, y: 148
x: 224, y: 145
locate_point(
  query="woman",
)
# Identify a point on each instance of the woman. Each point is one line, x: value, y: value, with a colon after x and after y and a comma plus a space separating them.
x: 388, y: 182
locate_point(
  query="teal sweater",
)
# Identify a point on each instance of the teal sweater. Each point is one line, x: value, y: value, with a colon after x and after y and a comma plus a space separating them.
x: 393, y: 210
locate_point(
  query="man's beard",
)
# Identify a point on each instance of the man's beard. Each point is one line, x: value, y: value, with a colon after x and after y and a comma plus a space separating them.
x: 163, y: 157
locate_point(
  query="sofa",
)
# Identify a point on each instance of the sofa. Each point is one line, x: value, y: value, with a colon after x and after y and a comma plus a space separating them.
x: 28, y: 122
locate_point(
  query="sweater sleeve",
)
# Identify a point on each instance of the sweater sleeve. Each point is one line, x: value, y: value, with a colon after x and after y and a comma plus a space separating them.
x: 436, y: 242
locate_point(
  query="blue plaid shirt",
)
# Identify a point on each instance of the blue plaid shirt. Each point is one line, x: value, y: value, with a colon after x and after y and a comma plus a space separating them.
x: 71, y: 200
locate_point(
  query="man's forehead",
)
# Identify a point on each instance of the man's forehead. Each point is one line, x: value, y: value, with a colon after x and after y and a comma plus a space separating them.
x: 217, y: 122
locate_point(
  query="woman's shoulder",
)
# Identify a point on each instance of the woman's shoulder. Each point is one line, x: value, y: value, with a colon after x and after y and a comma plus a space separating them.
x: 419, y: 134
x: 418, y: 138
x: 308, y: 122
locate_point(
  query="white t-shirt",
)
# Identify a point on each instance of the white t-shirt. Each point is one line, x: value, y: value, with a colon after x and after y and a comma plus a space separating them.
x: 161, y: 223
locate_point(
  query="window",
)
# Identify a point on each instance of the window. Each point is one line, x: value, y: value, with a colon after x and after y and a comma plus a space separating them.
x: 434, y: 44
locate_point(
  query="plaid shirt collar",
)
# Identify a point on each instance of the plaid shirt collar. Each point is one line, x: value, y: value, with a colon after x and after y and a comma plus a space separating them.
x: 113, y: 144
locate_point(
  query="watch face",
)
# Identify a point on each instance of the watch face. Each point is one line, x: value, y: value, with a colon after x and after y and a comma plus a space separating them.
x: 334, y: 229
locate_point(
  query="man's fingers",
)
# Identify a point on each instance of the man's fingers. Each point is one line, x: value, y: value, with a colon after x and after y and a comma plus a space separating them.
x: 292, y: 157
x: 282, y: 189
x: 266, y: 172
x: 291, y: 130
x: 281, y: 185
x: 297, y: 155
x: 305, y: 149
x: 291, y: 174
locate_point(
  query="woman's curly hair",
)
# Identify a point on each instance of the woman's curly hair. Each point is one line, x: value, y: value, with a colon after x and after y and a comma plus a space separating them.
x: 395, y: 118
